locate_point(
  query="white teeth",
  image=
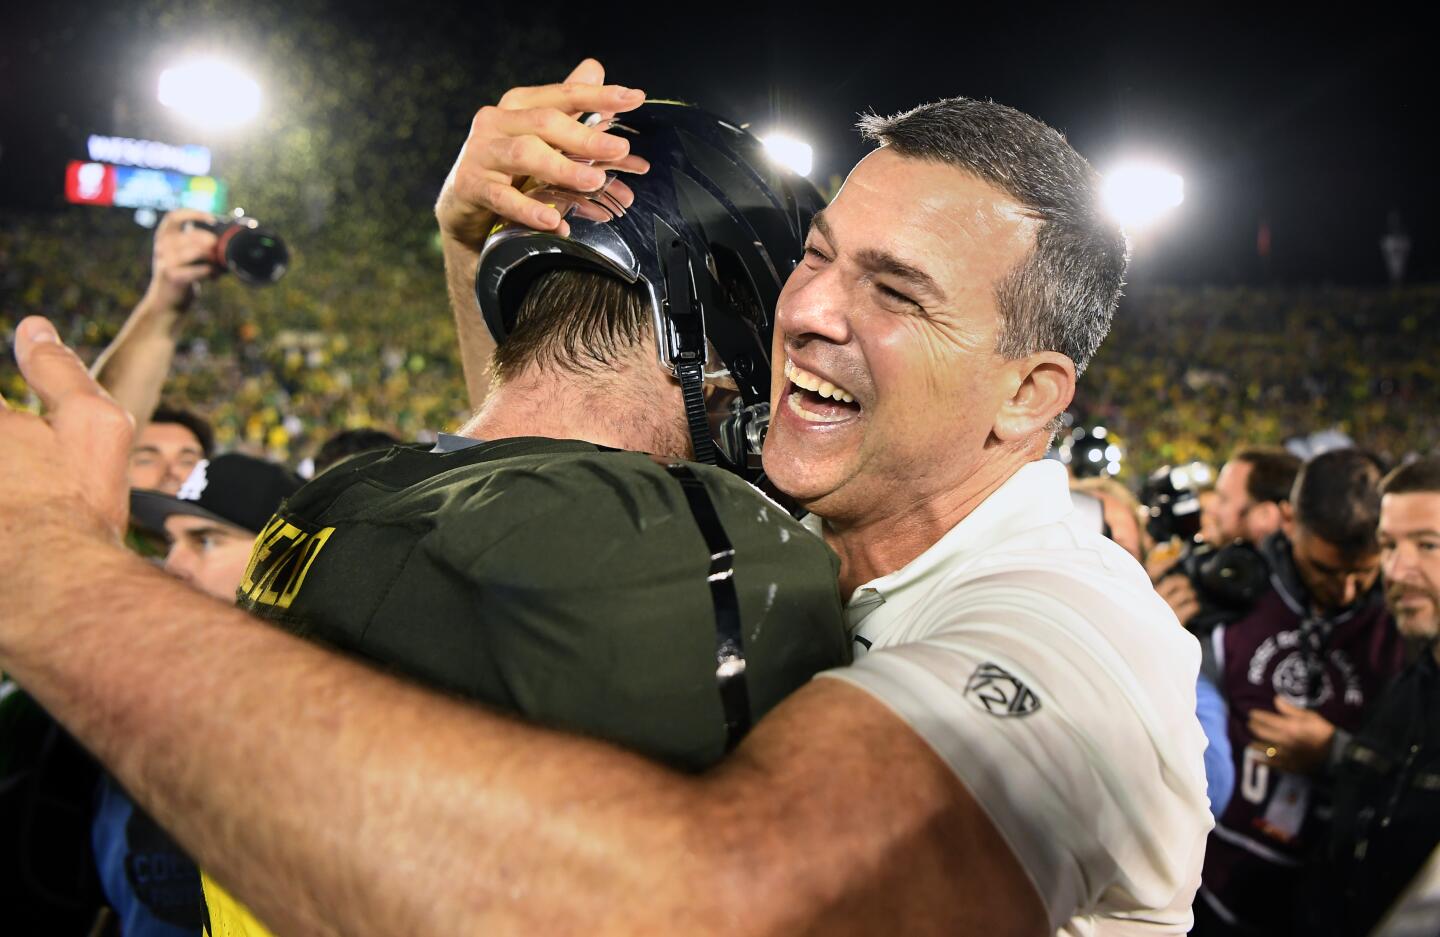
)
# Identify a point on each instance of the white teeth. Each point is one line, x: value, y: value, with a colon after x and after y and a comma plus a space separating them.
x: 824, y: 388
x: 793, y: 402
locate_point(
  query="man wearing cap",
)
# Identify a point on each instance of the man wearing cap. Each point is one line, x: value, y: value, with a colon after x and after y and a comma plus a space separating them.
x: 210, y: 524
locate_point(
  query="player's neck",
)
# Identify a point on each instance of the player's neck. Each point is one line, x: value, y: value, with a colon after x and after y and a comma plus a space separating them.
x: 624, y: 409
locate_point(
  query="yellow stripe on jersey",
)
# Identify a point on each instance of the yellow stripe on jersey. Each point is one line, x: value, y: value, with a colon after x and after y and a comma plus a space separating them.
x: 228, y: 917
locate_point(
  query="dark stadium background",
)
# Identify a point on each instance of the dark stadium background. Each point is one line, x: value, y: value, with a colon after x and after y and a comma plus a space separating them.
x: 1313, y: 124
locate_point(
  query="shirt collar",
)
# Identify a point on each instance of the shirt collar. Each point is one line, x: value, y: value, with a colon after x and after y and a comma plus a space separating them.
x: 1037, y: 494
x: 449, y: 442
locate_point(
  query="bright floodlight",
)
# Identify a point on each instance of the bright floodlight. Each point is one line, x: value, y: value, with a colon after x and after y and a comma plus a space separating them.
x: 790, y: 152
x: 210, y: 93
x: 1138, y: 195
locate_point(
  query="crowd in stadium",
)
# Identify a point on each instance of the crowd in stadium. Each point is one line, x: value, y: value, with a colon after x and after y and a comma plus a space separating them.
x: 1185, y: 375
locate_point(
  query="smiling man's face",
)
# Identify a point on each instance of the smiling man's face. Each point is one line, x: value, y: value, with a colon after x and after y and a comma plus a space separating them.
x: 888, y: 384
x: 1410, y: 554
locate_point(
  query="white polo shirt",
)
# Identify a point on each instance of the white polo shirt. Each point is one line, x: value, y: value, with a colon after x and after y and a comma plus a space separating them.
x: 1036, y: 659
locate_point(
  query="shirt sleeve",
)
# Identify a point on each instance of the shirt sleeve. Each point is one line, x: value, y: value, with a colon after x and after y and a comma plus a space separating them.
x: 1219, y: 769
x: 1089, y: 766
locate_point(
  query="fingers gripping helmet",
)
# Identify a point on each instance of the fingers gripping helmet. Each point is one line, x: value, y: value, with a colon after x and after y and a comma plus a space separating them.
x: 714, y: 229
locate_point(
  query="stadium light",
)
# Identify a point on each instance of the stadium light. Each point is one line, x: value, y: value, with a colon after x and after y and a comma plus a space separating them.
x: 211, y: 93
x: 1139, y: 194
x: 789, y: 152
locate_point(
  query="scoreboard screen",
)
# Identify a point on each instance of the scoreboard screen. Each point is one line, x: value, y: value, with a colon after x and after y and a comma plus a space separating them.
x: 88, y: 183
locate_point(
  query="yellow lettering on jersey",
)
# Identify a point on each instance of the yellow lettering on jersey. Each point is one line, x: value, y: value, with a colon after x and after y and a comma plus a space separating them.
x: 279, y: 563
x: 264, y: 546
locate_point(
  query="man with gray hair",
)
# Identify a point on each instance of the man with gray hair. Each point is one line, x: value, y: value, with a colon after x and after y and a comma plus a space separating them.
x: 1015, y: 750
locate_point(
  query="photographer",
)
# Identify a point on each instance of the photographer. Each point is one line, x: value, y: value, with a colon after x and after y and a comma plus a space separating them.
x: 1311, y: 655
x: 1250, y: 497
x: 133, y: 368
x: 1251, y: 491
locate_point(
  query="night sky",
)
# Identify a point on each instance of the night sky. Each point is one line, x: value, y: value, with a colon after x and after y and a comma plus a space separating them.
x: 1313, y: 124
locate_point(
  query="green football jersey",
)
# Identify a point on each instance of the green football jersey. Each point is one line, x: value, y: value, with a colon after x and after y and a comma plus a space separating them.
x: 658, y: 606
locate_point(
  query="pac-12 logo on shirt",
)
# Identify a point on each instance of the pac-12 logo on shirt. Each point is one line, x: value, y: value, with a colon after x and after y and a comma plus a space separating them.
x: 999, y: 692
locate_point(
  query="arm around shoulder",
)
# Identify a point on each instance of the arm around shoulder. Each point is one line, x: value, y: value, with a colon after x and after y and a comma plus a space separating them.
x: 835, y: 817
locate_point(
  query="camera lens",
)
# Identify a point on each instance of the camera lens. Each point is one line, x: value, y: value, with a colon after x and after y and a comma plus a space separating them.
x: 256, y: 256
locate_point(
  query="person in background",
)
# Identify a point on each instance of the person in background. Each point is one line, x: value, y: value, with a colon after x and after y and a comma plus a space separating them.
x: 209, y: 528
x: 167, y: 448
x: 1251, y: 493
x: 1312, y: 654
x: 351, y: 442
x: 1387, y: 774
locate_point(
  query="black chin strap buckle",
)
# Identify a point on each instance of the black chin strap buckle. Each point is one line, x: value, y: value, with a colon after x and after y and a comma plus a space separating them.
x: 683, y: 341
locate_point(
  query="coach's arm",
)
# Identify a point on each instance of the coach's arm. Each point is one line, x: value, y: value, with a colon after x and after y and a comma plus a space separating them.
x: 334, y: 799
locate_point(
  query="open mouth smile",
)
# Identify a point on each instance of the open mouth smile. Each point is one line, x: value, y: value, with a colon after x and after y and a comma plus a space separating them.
x: 815, y: 399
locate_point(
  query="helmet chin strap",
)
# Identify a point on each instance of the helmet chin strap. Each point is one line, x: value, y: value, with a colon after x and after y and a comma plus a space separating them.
x: 683, y: 347
x: 692, y: 388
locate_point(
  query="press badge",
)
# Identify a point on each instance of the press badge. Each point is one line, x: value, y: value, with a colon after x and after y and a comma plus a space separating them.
x: 1288, y: 805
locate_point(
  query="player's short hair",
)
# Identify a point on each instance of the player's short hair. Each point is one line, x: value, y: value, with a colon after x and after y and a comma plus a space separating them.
x: 1337, y: 498
x: 573, y: 320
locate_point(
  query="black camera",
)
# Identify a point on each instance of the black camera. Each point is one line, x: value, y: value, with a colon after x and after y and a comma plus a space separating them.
x: 1172, y: 502
x: 1228, y: 581
x: 256, y: 255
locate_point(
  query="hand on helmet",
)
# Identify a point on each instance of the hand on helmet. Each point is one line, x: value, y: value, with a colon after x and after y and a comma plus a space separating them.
x: 533, y: 137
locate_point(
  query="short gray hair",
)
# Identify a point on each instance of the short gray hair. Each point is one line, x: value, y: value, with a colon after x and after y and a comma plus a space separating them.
x: 1063, y: 295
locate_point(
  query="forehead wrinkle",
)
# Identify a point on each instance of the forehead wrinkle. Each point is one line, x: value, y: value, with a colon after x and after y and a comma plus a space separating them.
x: 882, y: 261
x: 968, y: 242
x: 964, y: 232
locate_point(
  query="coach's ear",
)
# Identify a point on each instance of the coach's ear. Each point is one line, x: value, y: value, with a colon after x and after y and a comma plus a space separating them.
x: 1038, y: 388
